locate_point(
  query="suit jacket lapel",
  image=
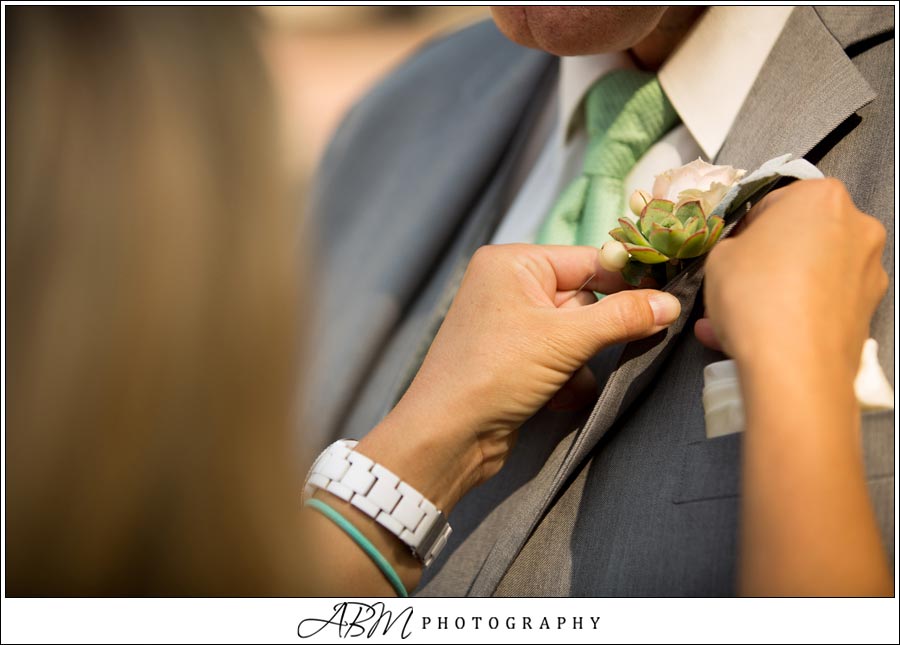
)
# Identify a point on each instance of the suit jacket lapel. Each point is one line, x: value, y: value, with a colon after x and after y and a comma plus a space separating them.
x: 399, y: 180
x: 807, y: 88
x: 402, y: 356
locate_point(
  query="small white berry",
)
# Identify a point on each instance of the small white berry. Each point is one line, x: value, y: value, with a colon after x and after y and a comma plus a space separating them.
x: 638, y: 200
x: 613, y: 256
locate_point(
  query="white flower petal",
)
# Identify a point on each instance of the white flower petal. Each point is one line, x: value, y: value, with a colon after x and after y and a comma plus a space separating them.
x: 712, y: 181
x: 661, y: 185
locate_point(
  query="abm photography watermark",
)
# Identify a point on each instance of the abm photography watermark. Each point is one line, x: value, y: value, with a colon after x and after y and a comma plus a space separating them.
x: 363, y: 620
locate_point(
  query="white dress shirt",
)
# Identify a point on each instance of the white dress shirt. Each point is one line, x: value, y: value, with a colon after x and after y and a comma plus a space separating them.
x: 706, y: 78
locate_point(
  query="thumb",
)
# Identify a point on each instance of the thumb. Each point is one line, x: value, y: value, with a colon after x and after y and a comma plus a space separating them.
x: 623, y: 316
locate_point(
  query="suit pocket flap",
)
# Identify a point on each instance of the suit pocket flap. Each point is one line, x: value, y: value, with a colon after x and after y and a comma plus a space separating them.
x: 710, y: 469
x: 878, y: 443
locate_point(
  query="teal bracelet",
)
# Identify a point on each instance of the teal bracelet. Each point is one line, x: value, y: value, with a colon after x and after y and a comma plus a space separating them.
x: 363, y: 542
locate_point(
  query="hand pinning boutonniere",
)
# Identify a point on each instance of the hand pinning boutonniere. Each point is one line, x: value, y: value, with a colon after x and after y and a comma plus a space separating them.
x: 682, y: 219
x: 685, y: 214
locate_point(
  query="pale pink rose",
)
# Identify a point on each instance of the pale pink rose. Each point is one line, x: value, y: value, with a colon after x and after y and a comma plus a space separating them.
x: 697, y: 180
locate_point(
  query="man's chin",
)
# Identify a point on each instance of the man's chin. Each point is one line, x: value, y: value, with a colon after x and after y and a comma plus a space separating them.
x: 577, y: 31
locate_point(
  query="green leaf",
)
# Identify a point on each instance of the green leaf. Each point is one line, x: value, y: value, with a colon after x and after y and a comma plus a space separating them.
x: 631, y: 233
x: 661, y: 204
x: 694, y: 224
x: 634, y: 272
x: 619, y: 235
x: 657, y: 215
x: 670, y: 222
x: 715, y: 224
x: 693, y: 245
x: 689, y: 210
x: 645, y: 254
x: 667, y: 240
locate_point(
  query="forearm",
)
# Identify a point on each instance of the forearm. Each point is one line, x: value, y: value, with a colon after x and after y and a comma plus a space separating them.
x: 807, y: 524
x: 425, y: 453
x: 340, y: 566
x: 512, y: 338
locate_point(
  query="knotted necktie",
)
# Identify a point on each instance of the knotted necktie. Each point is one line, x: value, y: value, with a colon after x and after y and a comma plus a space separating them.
x: 626, y: 112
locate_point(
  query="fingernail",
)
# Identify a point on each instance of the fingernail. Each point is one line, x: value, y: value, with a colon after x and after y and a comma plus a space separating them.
x: 665, y: 306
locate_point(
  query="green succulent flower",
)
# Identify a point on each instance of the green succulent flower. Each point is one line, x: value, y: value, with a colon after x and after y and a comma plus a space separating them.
x: 675, y: 221
x: 666, y: 232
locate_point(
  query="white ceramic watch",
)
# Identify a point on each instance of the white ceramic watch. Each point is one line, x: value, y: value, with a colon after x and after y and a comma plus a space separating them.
x: 381, y: 495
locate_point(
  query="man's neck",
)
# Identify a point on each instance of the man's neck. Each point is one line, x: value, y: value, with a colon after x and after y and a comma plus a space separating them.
x: 652, y: 51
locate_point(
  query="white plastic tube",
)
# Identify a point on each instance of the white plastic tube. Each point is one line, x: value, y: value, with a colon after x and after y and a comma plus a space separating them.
x: 724, y: 407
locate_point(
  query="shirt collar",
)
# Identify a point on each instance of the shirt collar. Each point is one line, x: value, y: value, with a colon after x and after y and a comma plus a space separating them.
x: 707, y: 78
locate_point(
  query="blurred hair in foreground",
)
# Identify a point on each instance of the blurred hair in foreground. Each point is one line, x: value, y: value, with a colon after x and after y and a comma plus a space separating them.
x: 153, y: 319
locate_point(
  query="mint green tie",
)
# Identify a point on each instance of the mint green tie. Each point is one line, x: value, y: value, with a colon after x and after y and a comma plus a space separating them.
x: 626, y: 113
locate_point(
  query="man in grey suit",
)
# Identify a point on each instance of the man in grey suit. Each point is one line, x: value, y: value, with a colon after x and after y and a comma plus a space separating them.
x: 458, y: 148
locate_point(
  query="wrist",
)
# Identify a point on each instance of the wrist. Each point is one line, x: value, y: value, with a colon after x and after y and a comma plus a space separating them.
x: 431, y: 452
x: 796, y: 382
x: 407, y: 566
x: 795, y: 357
x: 777, y: 346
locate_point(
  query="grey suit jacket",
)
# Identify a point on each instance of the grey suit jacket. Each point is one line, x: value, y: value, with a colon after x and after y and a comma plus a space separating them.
x: 630, y: 499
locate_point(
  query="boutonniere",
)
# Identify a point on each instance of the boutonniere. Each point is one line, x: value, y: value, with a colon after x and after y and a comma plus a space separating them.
x: 682, y: 219
x: 684, y: 215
